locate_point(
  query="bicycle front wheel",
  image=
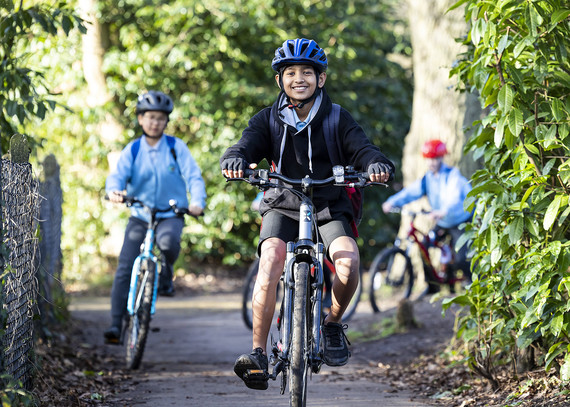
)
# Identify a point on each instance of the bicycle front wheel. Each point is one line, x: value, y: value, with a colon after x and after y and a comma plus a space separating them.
x: 391, y: 278
x: 139, y: 322
x: 299, y: 349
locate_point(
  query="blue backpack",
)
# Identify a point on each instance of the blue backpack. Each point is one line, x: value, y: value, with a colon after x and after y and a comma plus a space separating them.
x: 336, y: 155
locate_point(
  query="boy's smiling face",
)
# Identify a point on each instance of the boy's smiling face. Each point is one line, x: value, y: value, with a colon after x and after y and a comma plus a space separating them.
x: 300, y: 82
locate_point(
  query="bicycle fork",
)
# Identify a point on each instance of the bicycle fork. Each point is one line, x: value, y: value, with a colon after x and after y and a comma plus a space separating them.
x: 134, y: 299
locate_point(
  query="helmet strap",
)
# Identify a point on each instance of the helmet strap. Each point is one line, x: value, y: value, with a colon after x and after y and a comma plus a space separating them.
x: 302, y: 103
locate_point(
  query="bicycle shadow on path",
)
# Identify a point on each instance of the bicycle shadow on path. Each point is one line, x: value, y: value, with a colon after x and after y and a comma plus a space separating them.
x: 195, y: 340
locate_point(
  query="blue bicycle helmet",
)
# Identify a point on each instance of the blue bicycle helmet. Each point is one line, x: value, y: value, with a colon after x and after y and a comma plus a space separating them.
x: 154, y: 101
x: 301, y: 51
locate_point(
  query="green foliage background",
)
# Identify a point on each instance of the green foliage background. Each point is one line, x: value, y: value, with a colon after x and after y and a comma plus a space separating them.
x: 214, y: 59
x: 518, y: 63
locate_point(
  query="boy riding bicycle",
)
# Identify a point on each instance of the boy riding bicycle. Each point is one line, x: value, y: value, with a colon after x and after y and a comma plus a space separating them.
x: 154, y: 168
x: 446, y: 189
x: 299, y: 149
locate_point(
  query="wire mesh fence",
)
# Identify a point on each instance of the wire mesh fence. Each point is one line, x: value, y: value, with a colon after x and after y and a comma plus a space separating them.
x: 20, y: 209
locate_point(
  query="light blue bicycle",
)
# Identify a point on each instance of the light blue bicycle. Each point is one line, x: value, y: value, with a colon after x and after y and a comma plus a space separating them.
x: 141, y: 303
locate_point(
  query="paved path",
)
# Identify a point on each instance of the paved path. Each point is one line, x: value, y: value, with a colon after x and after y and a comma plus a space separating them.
x: 189, y: 359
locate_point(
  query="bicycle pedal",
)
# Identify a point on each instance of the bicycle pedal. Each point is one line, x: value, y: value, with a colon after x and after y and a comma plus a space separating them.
x: 256, y: 379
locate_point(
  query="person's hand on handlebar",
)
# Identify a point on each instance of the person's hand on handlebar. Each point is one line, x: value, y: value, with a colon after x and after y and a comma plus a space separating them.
x: 116, y: 196
x: 379, y: 172
x: 195, y: 210
x: 387, y: 207
x: 235, y: 167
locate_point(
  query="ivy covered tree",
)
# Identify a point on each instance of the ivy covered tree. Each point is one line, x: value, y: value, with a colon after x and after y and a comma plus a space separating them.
x: 518, y: 62
x: 24, y: 93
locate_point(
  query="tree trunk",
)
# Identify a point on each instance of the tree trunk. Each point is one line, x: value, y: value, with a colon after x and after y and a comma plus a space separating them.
x: 439, y: 111
x: 110, y: 129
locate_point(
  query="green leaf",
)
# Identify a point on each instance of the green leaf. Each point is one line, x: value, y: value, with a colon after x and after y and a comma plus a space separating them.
x: 515, y: 122
x: 505, y: 98
x: 496, y: 256
x: 550, y: 137
x: 533, y: 19
x: 515, y: 230
x: 503, y: 43
x: 559, y: 15
x: 557, y: 109
x: 456, y: 5
x: 556, y: 325
x: 554, y: 351
x: 521, y: 45
x: 499, y: 131
x: 551, y: 212
x: 563, y: 130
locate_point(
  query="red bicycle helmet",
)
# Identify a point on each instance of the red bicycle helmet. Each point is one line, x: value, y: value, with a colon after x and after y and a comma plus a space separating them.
x: 434, y: 149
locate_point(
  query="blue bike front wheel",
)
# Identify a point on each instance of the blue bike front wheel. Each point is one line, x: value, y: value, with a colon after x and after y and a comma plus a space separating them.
x: 139, y: 323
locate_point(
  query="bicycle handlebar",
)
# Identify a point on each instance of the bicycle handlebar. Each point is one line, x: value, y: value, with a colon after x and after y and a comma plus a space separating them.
x: 348, y: 178
x: 131, y: 200
x: 409, y: 212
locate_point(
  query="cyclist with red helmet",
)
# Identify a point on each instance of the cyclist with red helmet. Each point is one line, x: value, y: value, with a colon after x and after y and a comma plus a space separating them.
x: 298, y: 149
x: 445, y: 189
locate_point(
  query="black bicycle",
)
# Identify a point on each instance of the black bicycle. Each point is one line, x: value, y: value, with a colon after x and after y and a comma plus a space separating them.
x: 298, y: 350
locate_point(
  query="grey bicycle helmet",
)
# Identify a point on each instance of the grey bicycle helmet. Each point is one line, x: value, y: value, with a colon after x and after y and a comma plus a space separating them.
x: 299, y: 51
x: 154, y: 101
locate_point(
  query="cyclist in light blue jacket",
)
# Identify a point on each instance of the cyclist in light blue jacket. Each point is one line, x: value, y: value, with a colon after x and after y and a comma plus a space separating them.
x: 155, y: 169
x: 445, y: 189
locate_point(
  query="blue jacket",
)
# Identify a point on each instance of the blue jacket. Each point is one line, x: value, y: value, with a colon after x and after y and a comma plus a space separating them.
x: 159, y: 179
x: 445, y: 191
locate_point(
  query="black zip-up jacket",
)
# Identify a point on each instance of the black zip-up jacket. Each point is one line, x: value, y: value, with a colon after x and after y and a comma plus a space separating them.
x: 301, y: 154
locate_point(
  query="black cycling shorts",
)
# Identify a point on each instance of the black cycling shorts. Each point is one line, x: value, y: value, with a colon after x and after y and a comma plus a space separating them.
x: 275, y: 224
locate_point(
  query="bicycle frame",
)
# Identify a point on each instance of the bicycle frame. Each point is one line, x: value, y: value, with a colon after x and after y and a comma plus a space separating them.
x: 147, y: 253
x: 305, y: 251
x: 143, y: 289
x: 414, y: 235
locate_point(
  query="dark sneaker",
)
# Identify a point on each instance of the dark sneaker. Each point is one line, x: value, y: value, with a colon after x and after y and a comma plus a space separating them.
x: 166, y: 289
x: 252, y: 369
x: 165, y: 286
x: 335, y: 348
x: 113, y: 335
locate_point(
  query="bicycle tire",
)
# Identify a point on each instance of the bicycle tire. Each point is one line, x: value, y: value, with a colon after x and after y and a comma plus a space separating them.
x: 247, y: 294
x: 391, y: 278
x: 139, y: 322
x: 299, y: 352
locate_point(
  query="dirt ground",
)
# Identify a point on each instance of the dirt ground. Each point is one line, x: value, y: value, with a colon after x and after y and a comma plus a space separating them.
x: 198, y: 334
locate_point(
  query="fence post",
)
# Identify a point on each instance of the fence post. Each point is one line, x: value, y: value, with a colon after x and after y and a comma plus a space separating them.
x: 50, y: 265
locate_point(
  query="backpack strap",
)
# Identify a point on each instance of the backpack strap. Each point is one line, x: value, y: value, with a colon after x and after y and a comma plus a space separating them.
x: 330, y: 130
x: 170, y: 140
x: 135, y: 147
x: 424, y: 185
